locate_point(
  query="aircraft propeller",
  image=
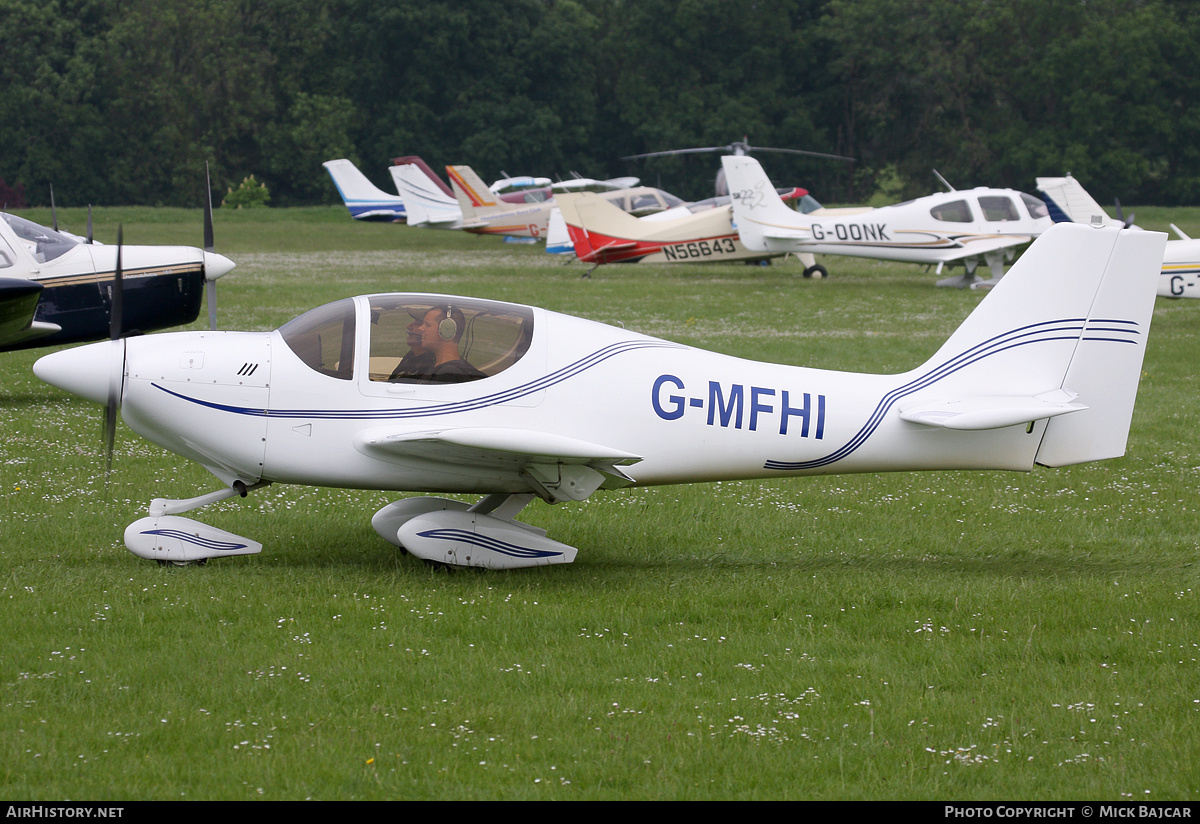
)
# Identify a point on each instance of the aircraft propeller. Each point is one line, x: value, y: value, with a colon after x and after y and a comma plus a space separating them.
x: 1128, y: 221
x: 210, y: 284
x: 116, y: 372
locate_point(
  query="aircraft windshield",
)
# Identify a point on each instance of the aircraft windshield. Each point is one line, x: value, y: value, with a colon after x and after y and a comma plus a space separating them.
x: 45, y: 244
x: 324, y: 338
x: 1037, y: 208
x: 418, y: 339
x: 807, y: 204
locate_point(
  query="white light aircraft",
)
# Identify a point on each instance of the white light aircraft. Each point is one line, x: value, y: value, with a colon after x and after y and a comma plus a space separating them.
x: 956, y: 227
x: 435, y: 393
x: 1068, y: 201
x: 56, y: 287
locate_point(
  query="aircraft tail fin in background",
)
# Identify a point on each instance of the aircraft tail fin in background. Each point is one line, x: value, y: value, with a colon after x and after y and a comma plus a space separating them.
x: 1064, y: 332
x: 464, y: 180
x: 558, y: 237
x: 594, y: 225
x: 427, y: 203
x: 759, y: 213
x: 364, y: 200
x: 1069, y: 202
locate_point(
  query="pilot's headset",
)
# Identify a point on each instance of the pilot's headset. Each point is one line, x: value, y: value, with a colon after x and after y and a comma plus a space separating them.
x: 447, y: 326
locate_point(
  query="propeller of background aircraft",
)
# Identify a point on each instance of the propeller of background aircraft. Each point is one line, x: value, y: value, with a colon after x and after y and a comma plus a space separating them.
x: 1128, y: 221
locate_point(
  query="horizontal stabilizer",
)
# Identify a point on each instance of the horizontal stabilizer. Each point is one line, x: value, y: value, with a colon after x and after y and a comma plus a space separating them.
x: 606, y: 251
x: 991, y: 412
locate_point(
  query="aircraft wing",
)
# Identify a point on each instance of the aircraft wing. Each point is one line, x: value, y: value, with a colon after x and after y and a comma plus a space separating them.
x: 981, y: 245
x: 18, y: 302
x: 556, y: 467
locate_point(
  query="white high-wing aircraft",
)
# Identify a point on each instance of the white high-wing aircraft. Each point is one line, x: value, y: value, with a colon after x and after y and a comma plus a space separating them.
x: 1068, y: 201
x: 57, y: 287
x: 952, y: 227
x: 463, y: 395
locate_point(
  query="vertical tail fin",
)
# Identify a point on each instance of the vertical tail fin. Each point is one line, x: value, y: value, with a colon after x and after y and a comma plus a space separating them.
x: 464, y: 180
x: 427, y: 204
x: 1069, y: 202
x: 364, y: 200
x: 600, y: 231
x: 1066, y: 326
x: 759, y: 214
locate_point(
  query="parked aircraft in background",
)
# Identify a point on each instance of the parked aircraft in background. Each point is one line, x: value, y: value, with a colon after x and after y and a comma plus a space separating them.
x: 964, y: 227
x: 1069, y: 202
x: 702, y: 232
x: 363, y: 198
x: 514, y: 403
x: 56, y: 287
x: 676, y: 235
x: 473, y: 208
x: 367, y: 202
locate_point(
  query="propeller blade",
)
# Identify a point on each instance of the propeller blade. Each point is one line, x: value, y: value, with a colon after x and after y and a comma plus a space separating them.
x: 118, y: 294
x: 208, y: 219
x: 210, y: 286
x: 116, y: 374
x: 89, y: 232
x: 53, y: 211
x: 210, y: 292
x: 110, y: 424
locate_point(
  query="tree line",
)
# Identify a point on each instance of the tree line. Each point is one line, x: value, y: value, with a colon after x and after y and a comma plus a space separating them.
x: 117, y: 102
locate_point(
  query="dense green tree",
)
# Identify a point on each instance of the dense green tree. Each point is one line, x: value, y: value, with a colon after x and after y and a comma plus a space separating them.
x: 123, y: 101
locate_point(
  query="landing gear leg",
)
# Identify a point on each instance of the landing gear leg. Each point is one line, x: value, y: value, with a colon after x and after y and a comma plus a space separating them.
x: 174, y: 541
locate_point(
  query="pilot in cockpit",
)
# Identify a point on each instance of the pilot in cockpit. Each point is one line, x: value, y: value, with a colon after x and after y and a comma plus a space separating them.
x: 441, y: 328
x: 419, y: 360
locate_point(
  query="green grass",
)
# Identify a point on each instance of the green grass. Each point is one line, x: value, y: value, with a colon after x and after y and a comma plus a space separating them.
x: 959, y: 635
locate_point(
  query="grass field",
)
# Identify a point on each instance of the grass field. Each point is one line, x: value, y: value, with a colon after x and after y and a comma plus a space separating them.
x: 959, y: 635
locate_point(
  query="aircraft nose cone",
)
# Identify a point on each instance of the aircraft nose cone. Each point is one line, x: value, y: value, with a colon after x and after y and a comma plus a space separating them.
x: 216, y: 265
x: 86, y: 371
